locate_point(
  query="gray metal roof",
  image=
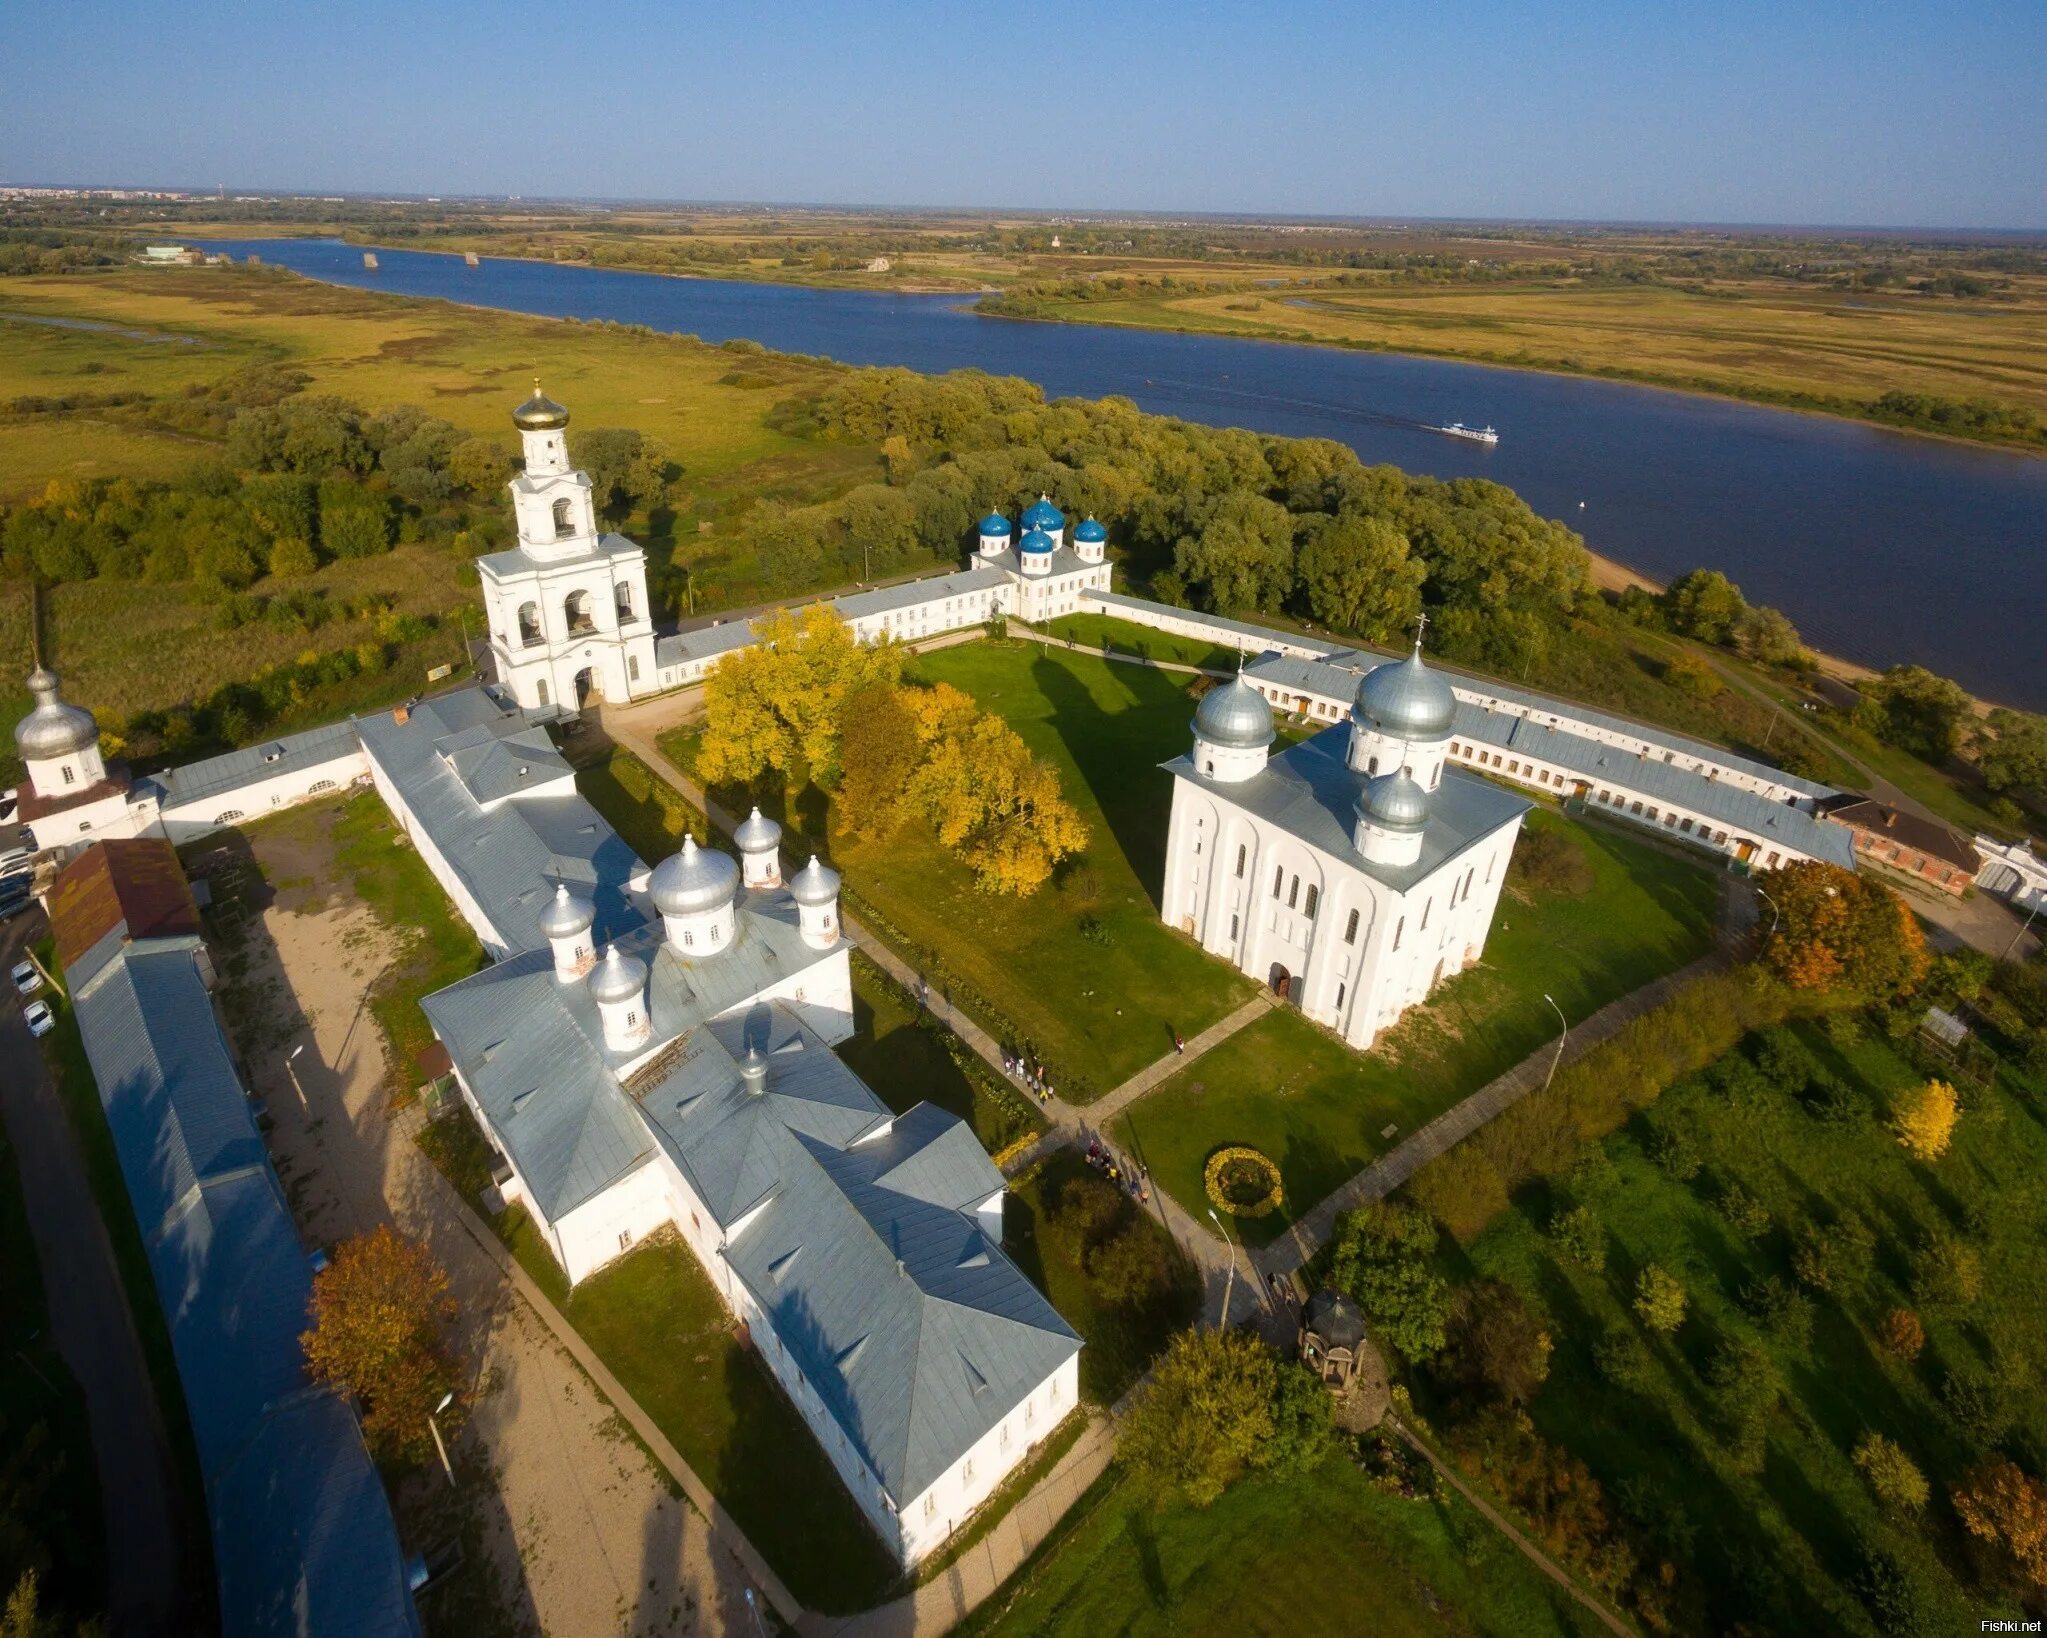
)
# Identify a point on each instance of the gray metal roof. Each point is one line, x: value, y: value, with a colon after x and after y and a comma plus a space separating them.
x: 707, y: 642
x: 509, y: 856
x: 1309, y: 791
x: 1253, y: 639
x: 518, y: 561
x: 1336, y: 677
x: 303, y: 1538
x: 197, y: 781
x: 1235, y: 714
x: 1407, y: 698
x: 917, y: 1332
x: 1760, y: 818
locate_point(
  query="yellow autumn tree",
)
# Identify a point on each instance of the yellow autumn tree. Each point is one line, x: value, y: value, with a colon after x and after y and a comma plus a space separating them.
x: 2001, y: 1503
x: 1925, y: 1121
x: 780, y: 703
x: 993, y: 804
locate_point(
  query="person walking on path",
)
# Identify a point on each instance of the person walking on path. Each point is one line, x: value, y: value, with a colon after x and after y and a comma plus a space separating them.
x: 1179, y: 1043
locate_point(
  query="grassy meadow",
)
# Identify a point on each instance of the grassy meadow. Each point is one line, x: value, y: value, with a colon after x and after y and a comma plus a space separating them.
x: 1785, y: 1546
x: 1321, y: 1110
x: 1326, y: 1552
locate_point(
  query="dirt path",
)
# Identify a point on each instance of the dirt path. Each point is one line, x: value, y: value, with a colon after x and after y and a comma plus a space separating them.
x: 579, y: 1532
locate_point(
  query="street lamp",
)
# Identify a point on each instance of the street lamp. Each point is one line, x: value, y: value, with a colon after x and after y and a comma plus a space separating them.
x: 2038, y: 900
x: 1561, y: 1039
x: 291, y: 1069
x: 1229, y: 1283
x: 1775, y: 914
x: 447, y: 1399
x: 753, y: 1609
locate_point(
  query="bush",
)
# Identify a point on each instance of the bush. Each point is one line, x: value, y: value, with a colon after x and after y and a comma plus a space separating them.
x: 1977, y: 1404
x: 1834, y: 1257
x: 1498, y: 1346
x: 1549, y: 860
x: 1781, y: 1309
x: 1659, y: 1299
x: 1676, y: 1151
x: 1243, y: 1182
x: 1946, y: 1273
x: 291, y: 558
x: 1901, y: 1334
x: 1893, y: 1477
x: 1745, y: 1214
x: 1621, y: 1360
x: 1580, y: 1237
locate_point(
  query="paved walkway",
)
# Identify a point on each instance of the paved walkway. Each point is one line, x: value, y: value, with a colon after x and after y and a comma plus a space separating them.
x: 149, y: 1554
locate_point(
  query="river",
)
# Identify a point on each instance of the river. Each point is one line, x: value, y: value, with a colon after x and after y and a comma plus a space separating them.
x: 1882, y: 546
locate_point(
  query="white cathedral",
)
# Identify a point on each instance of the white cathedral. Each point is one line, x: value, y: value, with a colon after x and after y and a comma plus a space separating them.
x: 1352, y: 873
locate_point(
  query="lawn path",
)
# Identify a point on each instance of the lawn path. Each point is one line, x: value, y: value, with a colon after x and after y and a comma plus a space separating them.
x: 1311, y: 1230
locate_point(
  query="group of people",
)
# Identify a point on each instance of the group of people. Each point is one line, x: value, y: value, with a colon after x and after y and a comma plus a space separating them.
x: 1028, y: 1070
x: 1135, y: 1180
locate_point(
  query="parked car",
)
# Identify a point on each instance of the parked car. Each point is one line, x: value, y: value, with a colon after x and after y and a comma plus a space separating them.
x: 26, y: 979
x: 37, y: 1016
x: 9, y: 801
x: 15, y: 883
x: 10, y: 908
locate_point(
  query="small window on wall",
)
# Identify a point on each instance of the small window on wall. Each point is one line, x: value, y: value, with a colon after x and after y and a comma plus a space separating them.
x: 540, y: 692
x: 70, y: 774
x: 931, y: 1507
x: 1278, y: 881
x: 1399, y: 927
x: 632, y: 667
x: 1314, y: 898
x: 1243, y: 855
x: 1293, y: 894
x: 1350, y: 929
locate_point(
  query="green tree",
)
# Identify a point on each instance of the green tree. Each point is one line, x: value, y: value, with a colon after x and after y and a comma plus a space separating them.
x: 1201, y: 1419
x: 480, y: 467
x: 291, y: 558
x: 1893, y: 1477
x: 1767, y: 636
x: 1746, y: 1388
x: 2013, y: 752
x: 628, y: 470
x: 880, y: 751
x: 1704, y: 604
x: 1381, y: 1257
x: 1580, y: 1237
x: 1358, y: 576
x: 1910, y: 707
x: 1303, y: 1433
x: 1242, y: 558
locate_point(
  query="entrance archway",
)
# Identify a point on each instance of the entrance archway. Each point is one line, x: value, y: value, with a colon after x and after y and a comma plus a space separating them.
x: 1282, y: 982
x: 586, y: 686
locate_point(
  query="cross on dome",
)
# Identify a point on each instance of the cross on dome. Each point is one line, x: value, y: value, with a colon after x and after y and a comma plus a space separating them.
x: 1421, y: 624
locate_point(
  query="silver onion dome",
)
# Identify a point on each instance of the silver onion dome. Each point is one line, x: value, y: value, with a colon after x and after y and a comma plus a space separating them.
x: 757, y: 833
x: 567, y: 914
x: 815, y: 883
x: 1235, y: 715
x: 1406, y: 699
x: 697, y: 878
x: 618, y: 977
x: 52, y: 729
x: 1393, y: 801
x: 539, y: 413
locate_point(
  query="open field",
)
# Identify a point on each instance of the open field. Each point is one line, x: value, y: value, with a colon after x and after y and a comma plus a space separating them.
x: 1782, y: 1545
x: 1326, y: 1552
x: 1320, y: 1110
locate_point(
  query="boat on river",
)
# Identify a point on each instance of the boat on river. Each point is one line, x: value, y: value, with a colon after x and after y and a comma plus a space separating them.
x: 1478, y: 435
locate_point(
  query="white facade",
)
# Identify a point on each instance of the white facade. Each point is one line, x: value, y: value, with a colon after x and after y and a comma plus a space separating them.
x: 567, y: 607
x: 1360, y: 915
x: 2014, y: 872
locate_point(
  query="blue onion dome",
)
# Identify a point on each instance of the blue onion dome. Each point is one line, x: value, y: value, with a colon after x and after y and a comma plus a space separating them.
x: 697, y: 878
x: 567, y: 914
x: 618, y: 977
x: 539, y: 413
x: 1042, y: 514
x: 1036, y: 541
x: 995, y: 524
x: 1091, y: 531
x: 815, y: 883
x: 1406, y: 699
x: 52, y: 729
x: 757, y: 833
x: 1393, y: 801
x: 1235, y: 715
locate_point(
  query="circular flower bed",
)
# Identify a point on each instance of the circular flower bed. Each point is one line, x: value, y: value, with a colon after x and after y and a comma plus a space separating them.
x: 1243, y: 1182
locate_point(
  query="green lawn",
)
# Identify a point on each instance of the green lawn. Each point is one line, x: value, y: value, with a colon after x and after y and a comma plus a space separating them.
x: 1290, y: 1089
x: 647, y: 811
x: 1326, y: 1553
x: 1780, y: 1547
x: 1125, y: 637
x: 1121, y: 1343
x: 1094, y: 1013
x: 910, y: 1059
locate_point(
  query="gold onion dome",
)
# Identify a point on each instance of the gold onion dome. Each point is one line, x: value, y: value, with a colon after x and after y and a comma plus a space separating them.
x: 539, y: 413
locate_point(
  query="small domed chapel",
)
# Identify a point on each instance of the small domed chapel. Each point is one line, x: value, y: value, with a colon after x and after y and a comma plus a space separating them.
x: 1353, y: 872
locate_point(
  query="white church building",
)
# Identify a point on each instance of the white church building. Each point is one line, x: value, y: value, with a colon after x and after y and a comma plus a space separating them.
x: 1352, y: 873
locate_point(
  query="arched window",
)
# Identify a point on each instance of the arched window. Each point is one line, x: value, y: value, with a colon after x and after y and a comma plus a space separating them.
x: 540, y: 692
x: 576, y: 606
x: 563, y: 523
x: 529, y: 622
x: 1350, y: 929
x: 625, y: 601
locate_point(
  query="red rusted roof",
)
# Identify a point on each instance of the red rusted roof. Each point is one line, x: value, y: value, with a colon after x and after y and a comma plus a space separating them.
x: 135, y: 882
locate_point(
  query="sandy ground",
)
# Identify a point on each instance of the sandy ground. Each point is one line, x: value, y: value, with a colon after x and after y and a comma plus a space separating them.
x: 577, y: 1530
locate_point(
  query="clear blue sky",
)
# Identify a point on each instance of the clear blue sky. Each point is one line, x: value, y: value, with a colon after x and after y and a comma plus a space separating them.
x: 1870, y: 113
